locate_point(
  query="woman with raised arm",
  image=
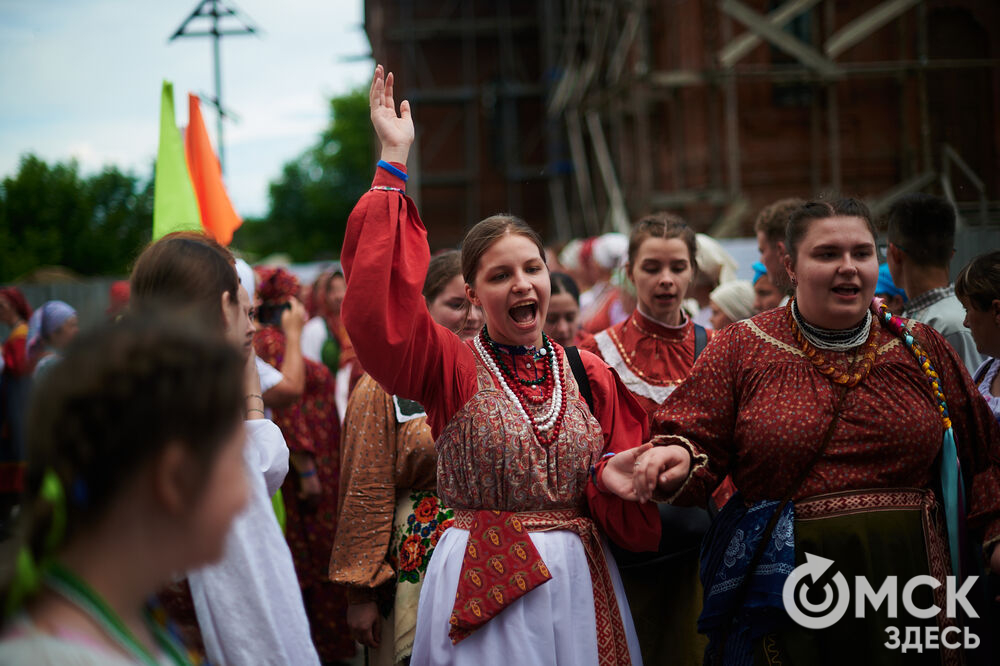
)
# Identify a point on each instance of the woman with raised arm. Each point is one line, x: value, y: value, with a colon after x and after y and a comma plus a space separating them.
x: 523, y: 575
x: 837, y: 421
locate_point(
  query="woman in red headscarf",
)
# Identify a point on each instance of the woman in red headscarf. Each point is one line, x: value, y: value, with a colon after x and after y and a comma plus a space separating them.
x: 312, y: 432
x: 14, y: 385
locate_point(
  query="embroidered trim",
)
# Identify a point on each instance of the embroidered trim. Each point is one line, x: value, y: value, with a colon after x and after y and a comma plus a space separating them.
x: 698, y: 461
x: 887, y: 347
x: 634, y: 383
x: 770, y: 339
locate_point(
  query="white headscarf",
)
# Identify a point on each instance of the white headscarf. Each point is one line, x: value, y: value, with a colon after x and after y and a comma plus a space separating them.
x: 247, y: 277
x: 735, y: 299
x: 45, y: 321
x: 611, y: 250
x: 714, y: 260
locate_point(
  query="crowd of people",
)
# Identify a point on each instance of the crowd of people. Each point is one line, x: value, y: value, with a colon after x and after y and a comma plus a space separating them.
x: 609, y: 452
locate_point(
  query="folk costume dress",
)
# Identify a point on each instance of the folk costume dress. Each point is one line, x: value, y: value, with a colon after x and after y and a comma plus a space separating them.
x: 653, y: 359
x: 391, y: 518
x: 523, y: 575
x: 757, y: 403
x: 15, y: 384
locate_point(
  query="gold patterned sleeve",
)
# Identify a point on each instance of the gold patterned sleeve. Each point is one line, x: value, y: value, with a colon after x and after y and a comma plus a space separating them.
x: 367, y: 493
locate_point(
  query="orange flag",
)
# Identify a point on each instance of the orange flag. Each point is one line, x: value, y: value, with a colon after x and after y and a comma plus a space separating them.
x: 217, y: 214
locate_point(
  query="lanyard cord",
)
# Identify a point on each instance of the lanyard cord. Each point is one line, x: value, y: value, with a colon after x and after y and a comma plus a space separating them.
x: 73, y: 589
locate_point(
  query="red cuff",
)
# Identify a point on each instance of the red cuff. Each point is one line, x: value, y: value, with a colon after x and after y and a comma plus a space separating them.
x: 385, y: 179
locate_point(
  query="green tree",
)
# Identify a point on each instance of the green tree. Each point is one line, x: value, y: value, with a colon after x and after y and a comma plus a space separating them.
x: 51, y: 215
x: 315, y: 193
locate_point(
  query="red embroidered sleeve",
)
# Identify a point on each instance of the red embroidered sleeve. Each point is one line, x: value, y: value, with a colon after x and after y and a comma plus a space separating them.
x: 385, y: 258
x: 629, y: 524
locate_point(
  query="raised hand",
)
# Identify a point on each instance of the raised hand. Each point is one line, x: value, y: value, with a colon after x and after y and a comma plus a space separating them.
x: 395, y: 132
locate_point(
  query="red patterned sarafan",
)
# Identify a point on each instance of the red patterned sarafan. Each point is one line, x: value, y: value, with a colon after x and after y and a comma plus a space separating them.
x: 755, y: 398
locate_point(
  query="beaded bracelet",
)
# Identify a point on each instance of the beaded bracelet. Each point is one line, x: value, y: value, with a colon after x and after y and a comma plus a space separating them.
x: 308, y: 473
x: 254, y: 409
x: 382, y: 164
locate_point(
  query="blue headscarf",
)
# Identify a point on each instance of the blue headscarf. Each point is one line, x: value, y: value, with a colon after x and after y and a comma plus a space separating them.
x: 885, y: 284
x: 45, y: 321
x: 759, y: 271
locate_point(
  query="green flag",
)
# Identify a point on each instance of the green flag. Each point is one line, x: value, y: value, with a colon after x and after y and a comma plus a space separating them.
x: 174, y: 205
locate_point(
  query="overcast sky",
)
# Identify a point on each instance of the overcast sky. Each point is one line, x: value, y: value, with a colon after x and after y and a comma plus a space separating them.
x: 81, y: 78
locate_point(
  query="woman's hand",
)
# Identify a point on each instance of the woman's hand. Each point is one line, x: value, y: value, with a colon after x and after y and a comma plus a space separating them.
x: 293, y: 318
x: 395, y: 133
x: 310, y: 489
x: 364, y: 623
x: 663, y: 467
x: 617, y: 475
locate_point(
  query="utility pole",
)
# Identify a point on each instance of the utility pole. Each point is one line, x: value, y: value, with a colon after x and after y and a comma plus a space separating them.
x: 215, y: 11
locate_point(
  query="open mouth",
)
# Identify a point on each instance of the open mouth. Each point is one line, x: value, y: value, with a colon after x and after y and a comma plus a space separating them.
x: 847, y: 290
x: 524, y: 314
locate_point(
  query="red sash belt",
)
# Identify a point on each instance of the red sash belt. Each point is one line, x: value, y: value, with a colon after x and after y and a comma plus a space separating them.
x: 501, y: 565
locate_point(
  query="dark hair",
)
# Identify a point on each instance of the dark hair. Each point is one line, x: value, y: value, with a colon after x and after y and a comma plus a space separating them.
x: 487, y: 232
x: 443, y: 268
x: 923, y: 226
x: 118, y: 397
x: 803, y: 217
x: 663, y: 225
x: 17, y: 301
x: 185, y: 271
x: 773, y: 218
x: 564, y: 284
x: 979, y: 281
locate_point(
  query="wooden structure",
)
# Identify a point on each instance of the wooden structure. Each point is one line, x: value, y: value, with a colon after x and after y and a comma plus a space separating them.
x: 580, y: 115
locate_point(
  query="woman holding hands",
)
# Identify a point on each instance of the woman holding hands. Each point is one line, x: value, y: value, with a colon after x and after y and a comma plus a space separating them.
x: 830, y: 416
x: 523, y: 575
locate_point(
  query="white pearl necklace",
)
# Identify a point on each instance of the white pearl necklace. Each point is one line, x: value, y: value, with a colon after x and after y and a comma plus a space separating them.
x: 544, y: 422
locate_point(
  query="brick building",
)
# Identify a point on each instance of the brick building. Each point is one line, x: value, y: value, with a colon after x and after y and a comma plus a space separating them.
x: 580, y: 115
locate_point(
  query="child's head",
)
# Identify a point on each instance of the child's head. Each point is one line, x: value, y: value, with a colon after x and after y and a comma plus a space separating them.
x: 138, y: 411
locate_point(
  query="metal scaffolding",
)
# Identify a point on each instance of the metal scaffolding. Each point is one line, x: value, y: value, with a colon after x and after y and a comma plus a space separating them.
x: 609, y: 77
x: 630, y: 94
